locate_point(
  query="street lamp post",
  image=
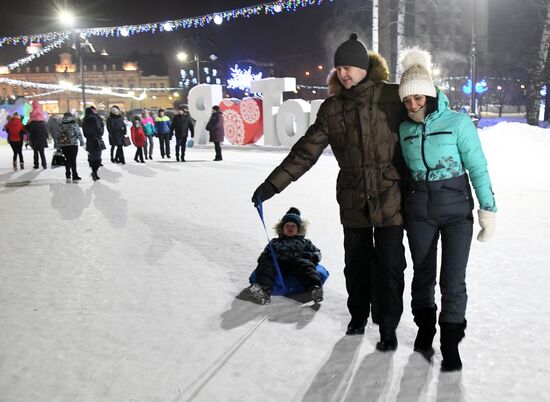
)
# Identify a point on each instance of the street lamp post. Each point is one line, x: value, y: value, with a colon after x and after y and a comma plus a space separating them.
x: 78, y: 50
x: 197, y: 61
x: 66, y: 83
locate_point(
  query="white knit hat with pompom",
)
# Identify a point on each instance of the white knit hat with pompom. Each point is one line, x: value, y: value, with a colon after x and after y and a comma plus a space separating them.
x: 416, y: 78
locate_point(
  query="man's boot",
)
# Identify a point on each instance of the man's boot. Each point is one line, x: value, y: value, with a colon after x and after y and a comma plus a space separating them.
x: 356, y: 326
x: 451, y: 335
x: 388, y: 339
x: 425, y: 319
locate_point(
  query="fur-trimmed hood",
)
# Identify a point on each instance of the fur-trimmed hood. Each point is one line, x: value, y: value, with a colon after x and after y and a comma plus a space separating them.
x: 377, y: 72
x: 302, y: 230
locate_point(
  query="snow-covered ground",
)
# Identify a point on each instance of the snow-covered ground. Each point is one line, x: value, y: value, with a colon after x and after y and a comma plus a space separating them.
x: 127, y: 289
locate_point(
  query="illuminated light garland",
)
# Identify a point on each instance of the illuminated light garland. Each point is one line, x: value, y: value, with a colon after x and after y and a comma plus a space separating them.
x: 465, y: 77
x: 40, y: 85
x: 299, y: 86
x: 167, y: 89
x: 73, y: 88
x: 272, y: 8
x: 57, y: 44
x: 44, y: 94
x: 99, y: 90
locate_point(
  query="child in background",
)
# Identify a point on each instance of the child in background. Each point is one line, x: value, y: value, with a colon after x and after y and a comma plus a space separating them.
x: 15, y: 130
x: 295, y: 255
x: 138, y: 138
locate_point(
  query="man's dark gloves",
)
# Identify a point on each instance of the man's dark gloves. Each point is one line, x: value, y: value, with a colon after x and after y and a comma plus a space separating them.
x: 264, y: 192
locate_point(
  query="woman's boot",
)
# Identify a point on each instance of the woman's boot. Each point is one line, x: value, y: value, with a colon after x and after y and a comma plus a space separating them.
x: 451, y: 335
x: 95, y: 167
x: 425, y: 319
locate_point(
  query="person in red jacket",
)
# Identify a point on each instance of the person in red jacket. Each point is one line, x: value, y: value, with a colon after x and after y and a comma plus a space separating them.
x: 138, y: 138
x: 15, y: 130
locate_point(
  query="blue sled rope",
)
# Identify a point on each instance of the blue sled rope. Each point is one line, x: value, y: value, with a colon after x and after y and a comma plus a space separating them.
x: 260, y: 209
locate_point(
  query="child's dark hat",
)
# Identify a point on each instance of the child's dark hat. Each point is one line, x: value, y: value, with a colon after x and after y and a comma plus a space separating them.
x: 292, y: 215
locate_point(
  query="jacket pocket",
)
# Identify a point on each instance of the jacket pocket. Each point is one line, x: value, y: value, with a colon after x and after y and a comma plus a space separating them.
x: 441, y: 138
x: 411, y: 138
x: 349, y: 193
x: 416, y: 204
x: 391, y: 178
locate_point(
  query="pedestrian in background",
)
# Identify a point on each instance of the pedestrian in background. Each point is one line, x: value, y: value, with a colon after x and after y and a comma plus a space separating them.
x: 162, y: 126
x: 93, y: 131
x: 181, y: 126
x: 117, y: 131
x: 16, y: 130
x: 69, y: 139
x: 138, y: 138
x: 215, y: 127
x: 148, y: 125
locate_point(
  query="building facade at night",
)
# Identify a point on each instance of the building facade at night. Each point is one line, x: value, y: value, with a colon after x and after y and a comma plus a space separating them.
x: 141, y: 79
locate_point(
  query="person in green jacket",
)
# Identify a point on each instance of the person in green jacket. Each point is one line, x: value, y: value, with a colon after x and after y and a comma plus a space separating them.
x: 441, y: 149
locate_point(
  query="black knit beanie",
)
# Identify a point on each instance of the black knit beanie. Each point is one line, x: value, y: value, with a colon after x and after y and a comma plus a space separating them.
x: 292, y: 215
x: 352, y: 53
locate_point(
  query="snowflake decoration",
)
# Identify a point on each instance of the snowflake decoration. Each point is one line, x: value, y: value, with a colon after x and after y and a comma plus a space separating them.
x: 240, y: 79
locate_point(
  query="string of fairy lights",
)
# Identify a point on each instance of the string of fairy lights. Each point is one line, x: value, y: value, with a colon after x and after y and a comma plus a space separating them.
x: 38, y: 53
x: 273, y: 8
x: 55, y: 88
x: 58, y: 38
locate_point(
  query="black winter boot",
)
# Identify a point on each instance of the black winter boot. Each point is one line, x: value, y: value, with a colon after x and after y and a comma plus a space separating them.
x: 95, y: 166
x: 356, y: 326
x: 388, y: 339
x: 425, y: 319
x: 451, y: 335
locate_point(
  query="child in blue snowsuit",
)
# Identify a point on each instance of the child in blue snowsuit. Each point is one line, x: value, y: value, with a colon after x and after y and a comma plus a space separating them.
x: 295, y: 255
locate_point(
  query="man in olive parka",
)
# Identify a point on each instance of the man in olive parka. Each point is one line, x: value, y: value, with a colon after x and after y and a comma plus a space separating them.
x: 360, y: 121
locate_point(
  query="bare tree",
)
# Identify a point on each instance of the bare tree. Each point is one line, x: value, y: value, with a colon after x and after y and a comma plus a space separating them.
x: 537, y: 73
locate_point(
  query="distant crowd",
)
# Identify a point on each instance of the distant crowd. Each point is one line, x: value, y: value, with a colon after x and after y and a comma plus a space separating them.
x: 68, y: 131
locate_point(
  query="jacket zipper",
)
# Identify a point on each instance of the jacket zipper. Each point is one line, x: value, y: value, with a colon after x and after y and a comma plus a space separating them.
x: 423, y: 152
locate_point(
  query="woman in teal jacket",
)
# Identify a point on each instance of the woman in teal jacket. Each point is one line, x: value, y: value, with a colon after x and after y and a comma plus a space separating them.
x: 441, y: 148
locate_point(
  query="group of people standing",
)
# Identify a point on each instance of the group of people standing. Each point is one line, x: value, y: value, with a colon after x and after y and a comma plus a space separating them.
x: 67, y: 136
x: 37, y: 131
x: 406, y: 163
x: 145, y: 128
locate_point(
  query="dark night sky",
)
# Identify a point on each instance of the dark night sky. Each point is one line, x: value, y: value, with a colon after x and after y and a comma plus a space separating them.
x: 297, y: 41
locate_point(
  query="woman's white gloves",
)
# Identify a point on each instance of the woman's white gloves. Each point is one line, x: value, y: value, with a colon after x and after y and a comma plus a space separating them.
x: 487, y: 223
